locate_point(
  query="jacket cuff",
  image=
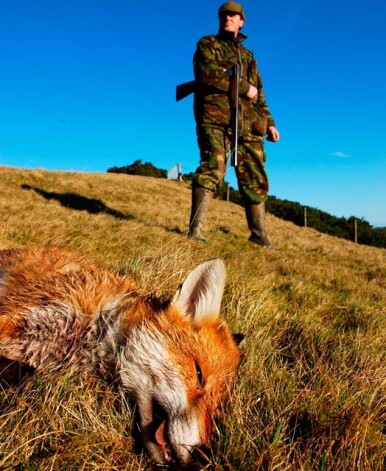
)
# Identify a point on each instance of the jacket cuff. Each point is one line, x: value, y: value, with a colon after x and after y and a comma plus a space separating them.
x: 270, y: 121
x: 244, y: 87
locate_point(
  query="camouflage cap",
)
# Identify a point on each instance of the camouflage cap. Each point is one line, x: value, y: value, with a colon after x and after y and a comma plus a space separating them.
x: 234, y: 7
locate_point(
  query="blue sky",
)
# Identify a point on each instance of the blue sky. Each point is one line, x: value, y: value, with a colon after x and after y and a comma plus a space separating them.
x: 90, y: 84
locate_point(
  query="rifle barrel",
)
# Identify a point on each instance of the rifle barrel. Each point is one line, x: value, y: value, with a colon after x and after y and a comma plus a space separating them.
x: 234, y: 84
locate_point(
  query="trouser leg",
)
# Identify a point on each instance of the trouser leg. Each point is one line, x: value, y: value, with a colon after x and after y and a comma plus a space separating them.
x: 252, y: 181
x: 252, y: 178
x: 212, y: 143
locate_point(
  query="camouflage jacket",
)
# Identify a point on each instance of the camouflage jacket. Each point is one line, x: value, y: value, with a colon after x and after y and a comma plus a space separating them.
x: 214, y: 57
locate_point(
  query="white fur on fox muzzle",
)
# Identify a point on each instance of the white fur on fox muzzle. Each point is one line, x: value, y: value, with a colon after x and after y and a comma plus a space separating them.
x: 176, y: 437
x: 176, y: 443
x: 184, y: 435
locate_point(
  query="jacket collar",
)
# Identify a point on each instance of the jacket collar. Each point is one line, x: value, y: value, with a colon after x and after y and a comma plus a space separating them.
x: 224, y: 36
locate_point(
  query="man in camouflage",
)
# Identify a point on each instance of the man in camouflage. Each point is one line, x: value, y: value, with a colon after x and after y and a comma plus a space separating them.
x: 213, y: 59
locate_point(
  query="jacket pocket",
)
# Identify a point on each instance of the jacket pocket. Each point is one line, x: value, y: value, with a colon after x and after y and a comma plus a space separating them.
x: 259, y: 123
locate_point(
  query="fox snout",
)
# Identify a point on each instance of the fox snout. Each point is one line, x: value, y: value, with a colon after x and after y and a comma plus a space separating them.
x: 176, y: 437
x: 173, y: 438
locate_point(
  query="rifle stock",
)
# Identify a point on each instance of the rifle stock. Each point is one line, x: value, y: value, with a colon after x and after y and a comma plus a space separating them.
x: 185, y: 89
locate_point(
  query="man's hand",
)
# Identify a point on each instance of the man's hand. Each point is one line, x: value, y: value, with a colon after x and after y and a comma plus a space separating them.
x: 272, y: 134
x: 252, y: 92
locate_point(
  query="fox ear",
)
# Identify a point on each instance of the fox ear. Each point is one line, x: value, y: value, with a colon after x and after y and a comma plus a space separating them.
x: 199, y: 297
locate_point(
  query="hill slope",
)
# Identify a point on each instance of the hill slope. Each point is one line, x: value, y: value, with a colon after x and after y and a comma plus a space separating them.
x: 312, y: 386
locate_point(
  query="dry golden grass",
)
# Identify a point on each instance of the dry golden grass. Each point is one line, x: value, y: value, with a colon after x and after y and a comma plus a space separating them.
x: 312, y: 388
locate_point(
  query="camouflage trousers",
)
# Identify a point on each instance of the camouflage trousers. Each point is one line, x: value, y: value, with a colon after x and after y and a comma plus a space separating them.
x: 214, y: 145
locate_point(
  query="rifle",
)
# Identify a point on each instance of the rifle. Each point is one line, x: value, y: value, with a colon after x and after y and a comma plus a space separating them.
x: 234, y: 80
x: 185, y: 89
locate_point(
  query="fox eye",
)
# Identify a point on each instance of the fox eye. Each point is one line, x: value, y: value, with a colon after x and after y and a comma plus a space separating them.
x: 200, y: 375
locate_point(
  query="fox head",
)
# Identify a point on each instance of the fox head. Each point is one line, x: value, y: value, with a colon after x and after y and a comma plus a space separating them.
x: 179, y: 365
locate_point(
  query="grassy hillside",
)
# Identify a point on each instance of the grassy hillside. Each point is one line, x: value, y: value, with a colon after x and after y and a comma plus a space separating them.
x: 312, y: 388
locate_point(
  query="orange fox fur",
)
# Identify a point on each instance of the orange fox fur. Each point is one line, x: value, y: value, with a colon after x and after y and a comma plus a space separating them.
x: 176, y: 360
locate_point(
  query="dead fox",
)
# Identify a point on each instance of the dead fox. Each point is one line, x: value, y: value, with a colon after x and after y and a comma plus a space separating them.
x: 177, y: 360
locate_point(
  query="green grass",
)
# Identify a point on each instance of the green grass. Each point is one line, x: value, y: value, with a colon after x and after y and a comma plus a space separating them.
x: 311, y: 394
